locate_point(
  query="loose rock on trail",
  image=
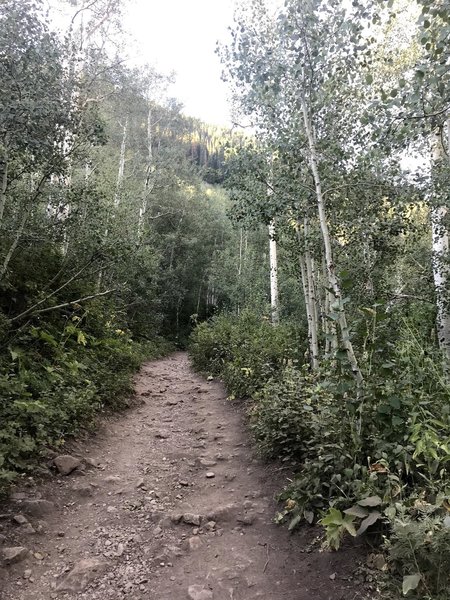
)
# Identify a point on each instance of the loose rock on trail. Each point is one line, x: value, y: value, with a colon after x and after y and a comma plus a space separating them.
x: 166, y: 502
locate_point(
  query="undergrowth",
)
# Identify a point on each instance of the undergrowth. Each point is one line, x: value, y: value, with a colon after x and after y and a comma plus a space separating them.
x: 369, y: 459
x: 55, y: 377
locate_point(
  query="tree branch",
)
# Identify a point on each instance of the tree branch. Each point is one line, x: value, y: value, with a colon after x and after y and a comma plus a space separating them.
x: 71, y: 303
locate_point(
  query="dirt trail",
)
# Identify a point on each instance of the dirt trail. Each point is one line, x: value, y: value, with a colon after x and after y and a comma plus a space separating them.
x: 126, y: 523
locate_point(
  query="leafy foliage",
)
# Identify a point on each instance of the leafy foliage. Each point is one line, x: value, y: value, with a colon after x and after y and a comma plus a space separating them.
x: 245, y: 350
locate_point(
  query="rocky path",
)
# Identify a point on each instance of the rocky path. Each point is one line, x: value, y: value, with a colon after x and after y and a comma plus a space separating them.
x: 166, y: 502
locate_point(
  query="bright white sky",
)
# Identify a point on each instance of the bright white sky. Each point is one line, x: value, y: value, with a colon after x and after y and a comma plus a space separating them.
x: 181, y: 36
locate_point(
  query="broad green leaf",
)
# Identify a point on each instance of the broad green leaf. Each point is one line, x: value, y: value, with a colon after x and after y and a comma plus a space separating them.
x: 357, y: 511
x: 371, y: 501
x: 410, y: 582
x: 370, y: 520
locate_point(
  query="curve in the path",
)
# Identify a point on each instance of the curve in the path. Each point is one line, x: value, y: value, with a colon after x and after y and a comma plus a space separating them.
x: 169, y: 503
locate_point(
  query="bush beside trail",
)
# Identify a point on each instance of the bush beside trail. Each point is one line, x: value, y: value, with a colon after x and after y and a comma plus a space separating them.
x: 375, y: 459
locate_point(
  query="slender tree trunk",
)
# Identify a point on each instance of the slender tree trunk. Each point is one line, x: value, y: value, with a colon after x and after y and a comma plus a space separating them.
x: 312, y: 290
x: 440, y: 255
x: 241, y: 240
x: 273, y: 275
x: 4, y: 185
x: 331, y: 270
x: 149, y: 183
x: 309, y: 300
x: 331, y: 338
x: 15, y: 242
x: 121, y: 171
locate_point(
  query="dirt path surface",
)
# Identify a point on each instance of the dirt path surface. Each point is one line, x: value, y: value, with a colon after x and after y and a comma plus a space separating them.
x: 168, y: 503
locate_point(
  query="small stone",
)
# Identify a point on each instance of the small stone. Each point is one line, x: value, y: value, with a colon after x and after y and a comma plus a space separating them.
x: 65, y: 464
x: 184, y: 483
x: 198, y: 592
x: 211, y: 525
x: 191, y: 519
x: 112, y: 479
x: 176, y: 518
x: 165, y: 522
x: 27, y: 573
x: 37, y: 508
x: 163, y: 435
x: 207, y: 462
x: 333, y: 576
x: 92, y: 462
x: 28, y: 529
x: 195, y: 543
x: 222, y: 513
x: 83, y: 573
x: 140, y: 483
x: 18, y: 496
x: 111, y: 509
x: 210, y: 475
x: 246, y: 520
x: 20, y: 519
x: 38, y: 556
x: 13, y: 555
x: 83, y: 490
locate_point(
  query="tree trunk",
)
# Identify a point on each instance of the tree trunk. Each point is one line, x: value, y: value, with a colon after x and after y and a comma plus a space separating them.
x: 121, y: 171
x: 309, y: 299
x: 331, y: 271
x: 331, y: 339
x: 4, y: 185
x: 149, y: 183
x: 440, y: 247
x: 15, y: 242
x: 273, y: 275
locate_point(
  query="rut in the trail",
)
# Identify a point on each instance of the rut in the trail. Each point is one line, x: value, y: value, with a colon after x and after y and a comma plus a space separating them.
x: 169, y: 504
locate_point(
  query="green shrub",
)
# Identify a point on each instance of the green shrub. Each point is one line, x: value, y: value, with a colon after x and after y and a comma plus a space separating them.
x: 245, y: 351
x: 54, y: 380
x: 288, y: 412
x: 419, y: 550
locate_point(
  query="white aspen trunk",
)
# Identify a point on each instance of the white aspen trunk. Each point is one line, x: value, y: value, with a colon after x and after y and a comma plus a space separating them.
x: 121, y: 171
x: 149, y: 183
x: 15, y: 242
x: 312, y: 290
x: 241, y: 240
x: 332, y: 278
x: 3, y: 186
x: 309, y: 300
x: 313, y: 309
x: 440, y: 248
x: 331, y: 339
x: 275, y: 313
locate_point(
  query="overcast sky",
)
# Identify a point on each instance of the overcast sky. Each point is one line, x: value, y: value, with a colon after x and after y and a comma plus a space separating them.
x: 181, y: 36
x: 178, y: 36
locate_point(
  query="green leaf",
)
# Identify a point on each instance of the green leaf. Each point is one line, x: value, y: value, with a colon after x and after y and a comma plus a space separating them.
x: 410, y: 582
x: 357, y: 511
x: 370, y: 520
x: 333, y: 517
x: 371, y: 501
x: 369, y: 78
x: 295, y: 521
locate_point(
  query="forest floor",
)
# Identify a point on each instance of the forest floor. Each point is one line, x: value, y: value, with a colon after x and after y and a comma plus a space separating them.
x: 168, y: 502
